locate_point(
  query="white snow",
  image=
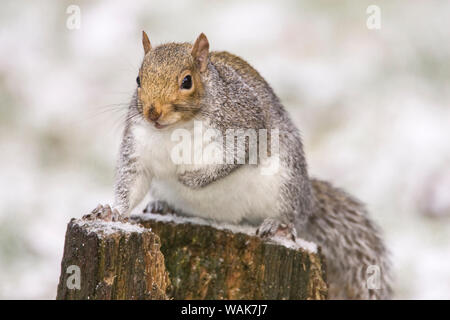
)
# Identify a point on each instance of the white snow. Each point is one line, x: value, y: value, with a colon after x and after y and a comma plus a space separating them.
x: 104, y: 228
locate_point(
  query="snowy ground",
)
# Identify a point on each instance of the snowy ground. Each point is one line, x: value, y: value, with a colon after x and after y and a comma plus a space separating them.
x: 373, y: 107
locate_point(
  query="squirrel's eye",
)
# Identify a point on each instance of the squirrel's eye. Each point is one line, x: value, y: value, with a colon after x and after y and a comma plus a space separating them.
x: 138, y: 81
x: 187, y: 83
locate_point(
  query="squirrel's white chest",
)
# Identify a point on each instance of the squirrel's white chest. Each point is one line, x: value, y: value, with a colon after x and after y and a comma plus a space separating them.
x: 244, y: 195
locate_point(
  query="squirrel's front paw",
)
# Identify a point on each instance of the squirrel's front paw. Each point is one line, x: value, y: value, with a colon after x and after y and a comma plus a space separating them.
x: 159, y: 207
x: 105, y: 213
x: 271, y: 227
x: 191, y: 179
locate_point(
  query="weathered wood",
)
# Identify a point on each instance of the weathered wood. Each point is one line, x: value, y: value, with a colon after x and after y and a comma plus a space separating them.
x: 201, y: 261
x: 115, y: 260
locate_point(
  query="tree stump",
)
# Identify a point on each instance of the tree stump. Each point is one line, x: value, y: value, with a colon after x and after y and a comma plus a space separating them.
x: 111, y: 260
x: 167, y: 256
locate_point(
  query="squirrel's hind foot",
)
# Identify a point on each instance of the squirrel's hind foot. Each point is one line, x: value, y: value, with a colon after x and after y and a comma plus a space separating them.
x: 271, y: 227
x: 106, y: 213
x: 158, y: 207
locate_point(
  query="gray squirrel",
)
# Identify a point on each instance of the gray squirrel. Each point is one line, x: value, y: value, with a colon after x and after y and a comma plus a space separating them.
x: 179, y: 85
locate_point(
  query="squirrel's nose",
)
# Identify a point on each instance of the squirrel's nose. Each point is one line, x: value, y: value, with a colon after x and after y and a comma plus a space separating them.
x: 153, y: 114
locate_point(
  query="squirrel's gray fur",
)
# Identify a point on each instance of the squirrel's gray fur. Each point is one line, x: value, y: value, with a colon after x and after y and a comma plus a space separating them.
x: 234, y: 95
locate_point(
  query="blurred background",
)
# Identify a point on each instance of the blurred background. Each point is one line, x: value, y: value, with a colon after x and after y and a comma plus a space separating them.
x: 373, y: 106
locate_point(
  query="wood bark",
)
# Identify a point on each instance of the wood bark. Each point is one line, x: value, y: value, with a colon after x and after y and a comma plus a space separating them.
x: 163, y: 259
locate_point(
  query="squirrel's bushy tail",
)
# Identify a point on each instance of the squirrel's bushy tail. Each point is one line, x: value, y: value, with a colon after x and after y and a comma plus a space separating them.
x: 356, y: 258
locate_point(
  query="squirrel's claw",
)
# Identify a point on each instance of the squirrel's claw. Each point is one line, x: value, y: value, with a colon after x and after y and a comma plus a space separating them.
x: 105, y: 213
x: 271, y: 227
x: 96, y: 210
x: 159, y: 207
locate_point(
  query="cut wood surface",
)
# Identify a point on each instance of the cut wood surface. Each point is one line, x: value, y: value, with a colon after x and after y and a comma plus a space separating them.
x: 168, y: 257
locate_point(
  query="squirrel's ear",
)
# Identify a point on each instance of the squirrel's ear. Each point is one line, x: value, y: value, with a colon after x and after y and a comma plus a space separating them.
x: 146, y: 42
x: 200, y: 51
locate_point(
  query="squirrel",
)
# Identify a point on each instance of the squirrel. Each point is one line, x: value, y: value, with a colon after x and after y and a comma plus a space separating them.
x: 179, y: 85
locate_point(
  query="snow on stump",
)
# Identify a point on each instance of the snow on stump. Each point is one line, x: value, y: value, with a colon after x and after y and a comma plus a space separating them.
x: 185, y: 258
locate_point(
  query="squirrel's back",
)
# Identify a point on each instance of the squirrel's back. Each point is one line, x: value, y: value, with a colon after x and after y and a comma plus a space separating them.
x: 245, y: 94
x: 242, y: 67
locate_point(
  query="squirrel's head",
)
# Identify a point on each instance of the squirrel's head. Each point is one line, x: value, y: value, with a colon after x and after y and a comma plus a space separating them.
x: 169, y: 81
